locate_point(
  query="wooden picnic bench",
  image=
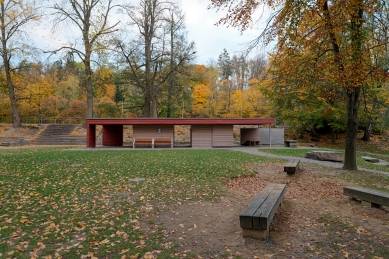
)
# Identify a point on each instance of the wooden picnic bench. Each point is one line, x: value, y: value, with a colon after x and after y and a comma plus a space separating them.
x: 152, y: 142
x: 290, y: 143
x: 376, y: 198
x: 255, y: 219
x: 292, y: 166
x: 253, y: 142
x: 143, y: 142
x: 163, y: 142
x: 5, y: 144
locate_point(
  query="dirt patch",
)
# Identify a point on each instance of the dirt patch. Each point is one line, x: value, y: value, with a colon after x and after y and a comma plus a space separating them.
x: 79, y: 131
x: 315, y: 220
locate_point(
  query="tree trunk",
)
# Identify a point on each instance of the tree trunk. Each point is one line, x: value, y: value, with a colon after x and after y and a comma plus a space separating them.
x: 350, y: 161
x: 88, y: 70
x: 155, y: 106
x: 170, y: 79
x: 149, y: 82
x: 12, y: 97
x: 89, y: 90
x: 333, y: 136
x: 146, y: 107
x: 367, y: 133
x: 11, y: 89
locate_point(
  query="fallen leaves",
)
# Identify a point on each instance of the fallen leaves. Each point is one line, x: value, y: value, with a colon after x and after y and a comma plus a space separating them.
x: 95, y: 211
x: 305, y: 185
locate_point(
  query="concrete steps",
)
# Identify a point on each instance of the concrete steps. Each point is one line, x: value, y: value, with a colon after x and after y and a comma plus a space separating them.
x: 59, y: 134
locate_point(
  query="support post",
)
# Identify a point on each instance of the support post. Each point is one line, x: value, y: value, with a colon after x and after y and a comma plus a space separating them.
x: 90, y: 135
x: 270, y: 134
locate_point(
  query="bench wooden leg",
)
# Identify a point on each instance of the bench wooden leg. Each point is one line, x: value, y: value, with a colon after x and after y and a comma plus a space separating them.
x: 255, y: 233
x: 371, y: 204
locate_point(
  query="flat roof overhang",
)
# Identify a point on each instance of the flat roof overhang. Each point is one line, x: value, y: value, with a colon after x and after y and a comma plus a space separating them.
x: 180, y: 121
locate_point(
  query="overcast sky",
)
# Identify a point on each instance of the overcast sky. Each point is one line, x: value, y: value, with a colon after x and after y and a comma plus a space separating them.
x: 210, y: 39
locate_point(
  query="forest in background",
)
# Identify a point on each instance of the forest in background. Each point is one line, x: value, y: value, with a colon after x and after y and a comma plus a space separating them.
x: 144, y: 67
x: 56, y: 90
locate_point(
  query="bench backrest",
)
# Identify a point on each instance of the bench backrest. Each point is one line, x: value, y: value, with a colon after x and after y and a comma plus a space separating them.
x: 162, y: 139
x: 143, y: 139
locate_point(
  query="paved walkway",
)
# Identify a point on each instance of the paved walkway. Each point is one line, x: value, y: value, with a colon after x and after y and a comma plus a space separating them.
x: 255, y: 151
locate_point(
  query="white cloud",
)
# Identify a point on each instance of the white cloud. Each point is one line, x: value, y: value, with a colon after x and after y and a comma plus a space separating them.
x: 211, y: 39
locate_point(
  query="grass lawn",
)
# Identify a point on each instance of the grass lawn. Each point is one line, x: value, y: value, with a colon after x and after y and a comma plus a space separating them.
x: 59, y: 203
x: 300, y: 152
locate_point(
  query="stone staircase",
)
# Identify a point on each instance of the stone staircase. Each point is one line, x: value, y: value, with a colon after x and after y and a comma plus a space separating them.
x: 59, y: 134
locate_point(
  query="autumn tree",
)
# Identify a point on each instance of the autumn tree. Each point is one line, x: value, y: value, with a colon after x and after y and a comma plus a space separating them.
x: 202, y: 84
x: 256, y: 67
x: 258, y: 105
x: 226, y: 87
x: 375, y: 97
x: 33, y: 88
x: 240, y: 70
x: 181, y: 52
x: 158, y: 52
x: 15, y: 15
x: 91, y: 19
x: 200, y: 105
x: 336, y: 38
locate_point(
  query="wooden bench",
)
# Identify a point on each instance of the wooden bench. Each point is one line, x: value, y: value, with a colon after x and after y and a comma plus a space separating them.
x: 253, y: 142
x: 163, y: 142
x: 374, y: 197
x: 5, y: 144
x: 143, y: 142
x: 292, y: 166
x: 255, y: 219
x: 293, y: 144
x: 290, y: 143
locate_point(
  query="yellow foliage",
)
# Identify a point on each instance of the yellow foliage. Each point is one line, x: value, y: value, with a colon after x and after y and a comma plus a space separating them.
x: 201, y: 99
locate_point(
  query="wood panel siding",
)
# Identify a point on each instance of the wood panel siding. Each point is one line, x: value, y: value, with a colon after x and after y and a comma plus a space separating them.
x: 151, y: 131
x: 222, y: 136
x: 112, y: 135
x: 91, y: 135
x: 147, y: 127
x: 277, y: 136
x: 249, y: 134
x: 202, y: 135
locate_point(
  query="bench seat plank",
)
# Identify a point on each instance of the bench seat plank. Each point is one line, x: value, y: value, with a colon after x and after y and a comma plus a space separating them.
x: 143, y: 142
x: 365, y: 194
x: 269, y: 207
x: 246, y: 217
x: 163, y: 141
x: 292, y: 166
x: 261, y: 210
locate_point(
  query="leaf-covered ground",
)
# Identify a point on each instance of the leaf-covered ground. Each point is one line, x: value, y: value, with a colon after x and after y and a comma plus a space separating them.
x: 58, y: 203
x: 64, y: 203
x: 315, y: 221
